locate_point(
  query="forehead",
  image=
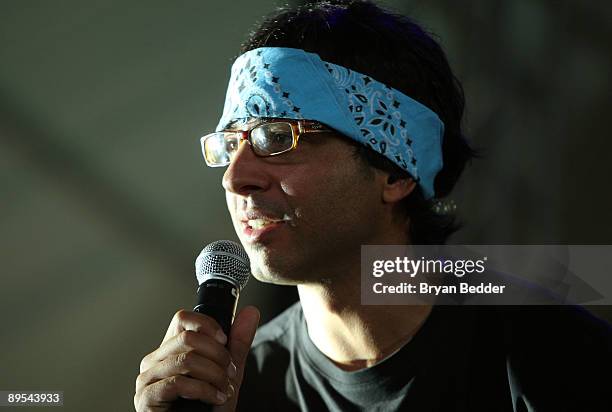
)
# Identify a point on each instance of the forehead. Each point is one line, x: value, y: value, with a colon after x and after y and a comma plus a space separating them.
x: 240, y: 123
x: 246, y: 123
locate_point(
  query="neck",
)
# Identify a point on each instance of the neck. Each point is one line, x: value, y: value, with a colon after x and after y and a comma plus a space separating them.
x: 352, y: 335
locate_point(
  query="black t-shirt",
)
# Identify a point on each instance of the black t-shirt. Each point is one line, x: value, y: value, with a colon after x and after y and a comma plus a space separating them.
x: 490, y: 359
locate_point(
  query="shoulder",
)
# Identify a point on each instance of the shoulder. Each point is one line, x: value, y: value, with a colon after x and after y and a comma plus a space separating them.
x: 275, y: 340
x: 279, y: 329
x: 270, y: 359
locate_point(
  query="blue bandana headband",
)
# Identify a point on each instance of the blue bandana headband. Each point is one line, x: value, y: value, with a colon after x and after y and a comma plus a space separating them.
x: 293, y: 84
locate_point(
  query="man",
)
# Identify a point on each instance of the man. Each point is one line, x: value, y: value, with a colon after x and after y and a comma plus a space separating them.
x: 341, y: 126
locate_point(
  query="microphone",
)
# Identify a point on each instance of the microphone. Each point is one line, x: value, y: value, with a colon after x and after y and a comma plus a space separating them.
x: 222, y: 270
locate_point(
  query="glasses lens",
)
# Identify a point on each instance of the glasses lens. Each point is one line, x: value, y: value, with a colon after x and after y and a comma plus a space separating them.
x: 218, y: 148
x: 271, y: 138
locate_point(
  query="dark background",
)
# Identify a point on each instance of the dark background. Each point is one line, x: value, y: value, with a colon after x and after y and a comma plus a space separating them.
x: 105, y: 200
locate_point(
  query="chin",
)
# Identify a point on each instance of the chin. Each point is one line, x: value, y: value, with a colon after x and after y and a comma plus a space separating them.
x: 275, y: 279
x: 280, y: 266
x: 274, y: 272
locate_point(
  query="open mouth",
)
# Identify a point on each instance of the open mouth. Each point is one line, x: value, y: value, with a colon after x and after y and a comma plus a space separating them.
x: 260, y: 223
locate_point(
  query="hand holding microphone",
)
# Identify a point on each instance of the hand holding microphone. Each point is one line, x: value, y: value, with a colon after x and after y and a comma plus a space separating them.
x: 202, y: 355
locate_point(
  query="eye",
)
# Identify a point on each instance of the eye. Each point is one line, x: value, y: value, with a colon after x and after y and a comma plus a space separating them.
x: 231, y: 145
x: 272, y: 138
x: 278, y: 136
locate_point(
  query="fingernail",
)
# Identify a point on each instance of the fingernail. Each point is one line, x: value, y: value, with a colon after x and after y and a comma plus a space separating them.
x: 231, y: 370
x: 221, y: 396
x: 220, y: 337
x: 230, y: 391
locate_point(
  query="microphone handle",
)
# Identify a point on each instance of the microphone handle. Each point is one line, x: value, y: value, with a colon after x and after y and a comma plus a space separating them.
x: 217, y: 298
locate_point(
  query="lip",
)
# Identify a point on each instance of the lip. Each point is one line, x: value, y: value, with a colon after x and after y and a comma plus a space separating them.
x: 256, y: 235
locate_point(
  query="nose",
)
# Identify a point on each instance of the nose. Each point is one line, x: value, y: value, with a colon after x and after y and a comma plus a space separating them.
x: 246, y: 173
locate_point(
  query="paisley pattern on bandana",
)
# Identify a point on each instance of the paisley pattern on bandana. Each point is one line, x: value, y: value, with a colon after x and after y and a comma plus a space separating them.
x: 377, y: 114
x: 293, y: 84
x: 257, y: 101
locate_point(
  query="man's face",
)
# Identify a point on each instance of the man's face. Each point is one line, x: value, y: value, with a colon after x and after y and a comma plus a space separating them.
x: 302, y: 214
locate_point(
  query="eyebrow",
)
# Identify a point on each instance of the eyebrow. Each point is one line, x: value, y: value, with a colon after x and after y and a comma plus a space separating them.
x: 239, y: 124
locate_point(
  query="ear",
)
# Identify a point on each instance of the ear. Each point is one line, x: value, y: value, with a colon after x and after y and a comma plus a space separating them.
x: 395, y: 189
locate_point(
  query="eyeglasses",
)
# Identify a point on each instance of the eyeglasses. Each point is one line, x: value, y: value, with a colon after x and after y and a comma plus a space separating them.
x: 270, y: 137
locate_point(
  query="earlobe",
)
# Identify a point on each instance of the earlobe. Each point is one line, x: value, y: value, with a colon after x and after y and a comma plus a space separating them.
x: 395, y: 189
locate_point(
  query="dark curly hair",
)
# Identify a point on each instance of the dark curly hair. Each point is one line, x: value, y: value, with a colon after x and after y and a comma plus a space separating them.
x: 394, y: 50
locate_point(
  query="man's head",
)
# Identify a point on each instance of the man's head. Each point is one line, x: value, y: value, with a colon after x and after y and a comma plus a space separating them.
x: 331, y: 194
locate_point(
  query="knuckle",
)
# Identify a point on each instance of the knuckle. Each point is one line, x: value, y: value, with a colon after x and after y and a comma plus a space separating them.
x: 206, y: 323
x: 191, y: 357
x: 181, y: 315
x: 182, y: 361
x: 144, y: 363
x: 141, y: 399
x: 188, y: 338
x: 137, y: 402
x: 174, y: 381
x: 197, y: 321
x: 187, y: 361
x: 140, y: 381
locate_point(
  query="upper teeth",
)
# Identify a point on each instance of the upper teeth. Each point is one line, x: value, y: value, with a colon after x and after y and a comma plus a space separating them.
x: 259, y: 223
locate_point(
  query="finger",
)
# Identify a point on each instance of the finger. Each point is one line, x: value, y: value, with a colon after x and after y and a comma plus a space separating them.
x: 188, y: 320
x: 241, y: 337
x: 186, y: 341
x: 188, y: 364
x: 163, y: 392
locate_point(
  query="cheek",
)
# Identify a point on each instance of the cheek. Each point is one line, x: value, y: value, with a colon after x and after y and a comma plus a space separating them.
x: 329, y: 197
x: 307, y: 192
x: 302, y: 189
x: 231, y: 202
x: 298, y: 182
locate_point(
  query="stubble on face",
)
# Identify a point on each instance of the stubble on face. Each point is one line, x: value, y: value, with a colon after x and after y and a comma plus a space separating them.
x: 333, y: 204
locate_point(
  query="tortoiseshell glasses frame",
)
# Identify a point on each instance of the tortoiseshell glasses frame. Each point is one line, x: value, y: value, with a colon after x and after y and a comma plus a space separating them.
x: 268, y: 137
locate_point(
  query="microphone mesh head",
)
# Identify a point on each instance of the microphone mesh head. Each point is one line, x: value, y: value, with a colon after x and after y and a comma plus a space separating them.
x: 223, y: 259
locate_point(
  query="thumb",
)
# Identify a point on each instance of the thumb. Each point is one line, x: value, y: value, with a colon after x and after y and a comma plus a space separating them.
x: 240, y: 339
